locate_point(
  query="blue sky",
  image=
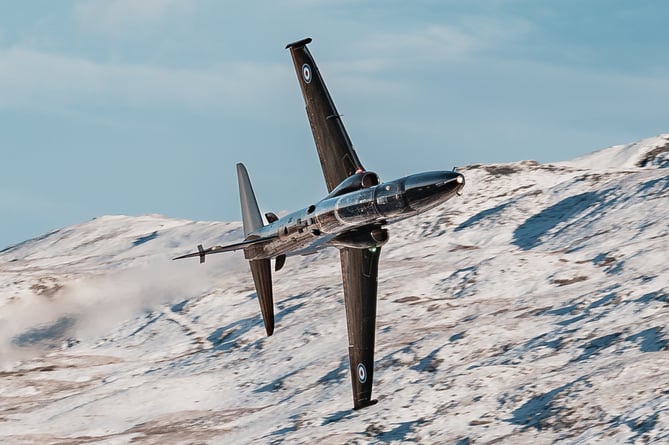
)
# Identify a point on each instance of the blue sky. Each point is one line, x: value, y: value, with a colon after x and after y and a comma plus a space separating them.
x: 136, y: 107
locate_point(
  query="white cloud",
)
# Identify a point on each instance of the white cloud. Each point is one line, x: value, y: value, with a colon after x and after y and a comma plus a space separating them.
x: 442, y: 42
x: 112, y: 15
x: 39, y: 80
x: 446, y: 42
x: 14, y: 201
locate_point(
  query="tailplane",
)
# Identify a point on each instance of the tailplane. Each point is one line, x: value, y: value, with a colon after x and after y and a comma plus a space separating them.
x: 262, y: 278
x: 261, y: 269
x: 202, y: 252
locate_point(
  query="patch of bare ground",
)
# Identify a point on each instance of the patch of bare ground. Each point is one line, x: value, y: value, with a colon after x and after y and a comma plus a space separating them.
x: 500, y: 170
x: 567, y: 281
x: 651, y: 155
x: 187, y: 426
x: 607, y: 261
x: 515, y: 191
x: 457, y: 247
x: 46, y: 391
x: 62, y: 362
x: 46, y: 287
x: 409, y: 299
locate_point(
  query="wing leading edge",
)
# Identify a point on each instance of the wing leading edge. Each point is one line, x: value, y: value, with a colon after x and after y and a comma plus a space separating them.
x: 359, y: 266
x: 360, y: 269
x: 335, y: 150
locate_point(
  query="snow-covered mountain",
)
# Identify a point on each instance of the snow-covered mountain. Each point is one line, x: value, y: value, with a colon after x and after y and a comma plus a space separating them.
x: 533, y: 309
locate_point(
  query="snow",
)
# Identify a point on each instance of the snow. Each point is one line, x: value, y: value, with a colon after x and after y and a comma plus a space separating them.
x: 531, y: 309
x: 651, y: 152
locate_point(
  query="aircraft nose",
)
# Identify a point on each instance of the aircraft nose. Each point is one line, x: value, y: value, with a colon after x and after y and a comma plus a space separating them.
x: 427, y: 190
x: 460, y: 179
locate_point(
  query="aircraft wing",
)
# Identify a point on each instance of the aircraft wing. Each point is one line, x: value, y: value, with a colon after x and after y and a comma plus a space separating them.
x: 360, y: 272
x: 335, y: 150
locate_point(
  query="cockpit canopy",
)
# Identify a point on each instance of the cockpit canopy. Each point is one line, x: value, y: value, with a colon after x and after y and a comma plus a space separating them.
x: 355, y: 182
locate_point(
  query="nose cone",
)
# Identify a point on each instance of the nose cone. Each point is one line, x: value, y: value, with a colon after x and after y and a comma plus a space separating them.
x: 427, y: 190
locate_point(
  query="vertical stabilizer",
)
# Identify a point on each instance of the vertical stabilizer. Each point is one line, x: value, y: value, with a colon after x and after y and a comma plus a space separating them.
x: 250, y: 212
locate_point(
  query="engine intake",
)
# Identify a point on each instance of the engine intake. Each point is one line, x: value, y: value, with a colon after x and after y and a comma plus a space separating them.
x: 362, y: 239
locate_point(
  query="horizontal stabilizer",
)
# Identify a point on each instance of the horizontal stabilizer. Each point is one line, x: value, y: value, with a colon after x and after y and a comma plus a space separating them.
x: 262, y: 278
x: 201, y: 252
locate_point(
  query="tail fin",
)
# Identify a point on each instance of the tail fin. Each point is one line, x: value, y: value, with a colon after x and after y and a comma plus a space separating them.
x: 250, y: 212
x: 261, y: 269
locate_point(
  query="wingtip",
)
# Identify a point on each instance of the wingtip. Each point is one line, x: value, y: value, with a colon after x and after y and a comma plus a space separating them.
x: 365, y: 404
x: 269, y: 325
x: 299, y: 43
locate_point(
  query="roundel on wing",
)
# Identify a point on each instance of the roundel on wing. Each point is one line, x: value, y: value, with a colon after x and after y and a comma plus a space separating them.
x: 362, y: 373
x: 306, y: 73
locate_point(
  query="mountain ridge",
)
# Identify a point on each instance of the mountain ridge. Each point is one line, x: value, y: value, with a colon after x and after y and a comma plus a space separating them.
x: 532, y: 308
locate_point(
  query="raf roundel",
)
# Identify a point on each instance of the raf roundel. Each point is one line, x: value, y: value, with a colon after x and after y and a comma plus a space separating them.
x: 306, y: 73
x: 362, y: 373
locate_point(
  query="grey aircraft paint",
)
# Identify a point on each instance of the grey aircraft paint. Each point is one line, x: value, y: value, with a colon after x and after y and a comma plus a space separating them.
x: 352, y: 217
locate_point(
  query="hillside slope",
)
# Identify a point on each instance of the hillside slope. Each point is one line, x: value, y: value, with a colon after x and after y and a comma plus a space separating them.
x: 533, y: 309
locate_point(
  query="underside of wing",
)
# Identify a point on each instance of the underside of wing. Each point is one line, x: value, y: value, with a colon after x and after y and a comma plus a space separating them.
x: 335, y: 150
x: 360, y: 272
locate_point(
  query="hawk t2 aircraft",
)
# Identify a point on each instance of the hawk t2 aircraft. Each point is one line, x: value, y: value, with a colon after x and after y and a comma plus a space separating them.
x: 352, y: 217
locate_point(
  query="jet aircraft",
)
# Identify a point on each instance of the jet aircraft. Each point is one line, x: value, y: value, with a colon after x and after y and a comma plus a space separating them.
x: 352, y: 217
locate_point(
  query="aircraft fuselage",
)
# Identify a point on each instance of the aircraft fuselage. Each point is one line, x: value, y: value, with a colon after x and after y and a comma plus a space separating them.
x: 354, y: 218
